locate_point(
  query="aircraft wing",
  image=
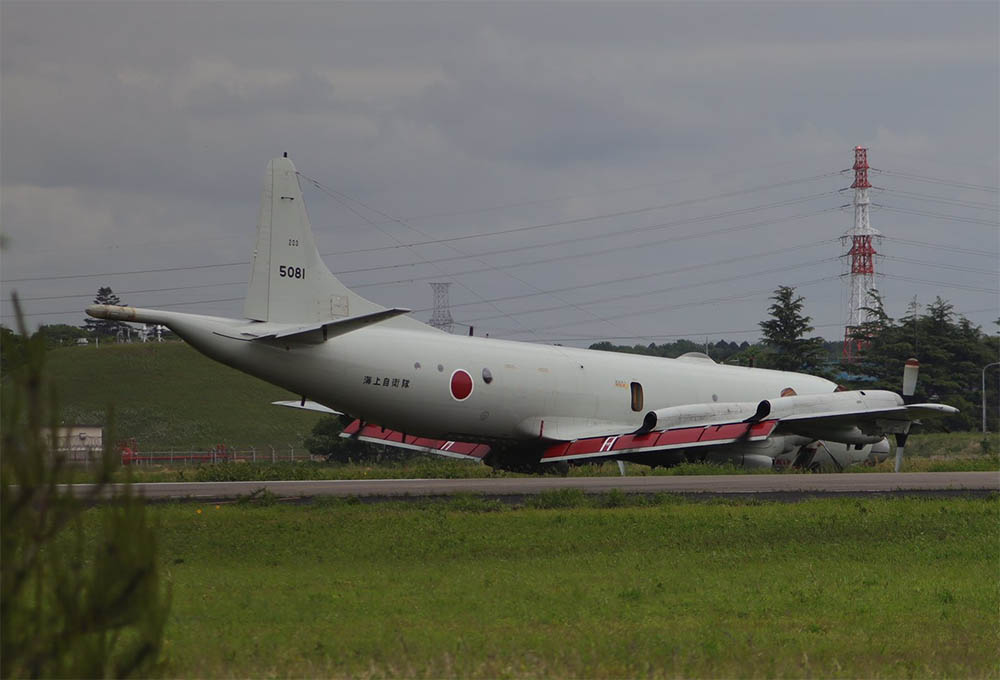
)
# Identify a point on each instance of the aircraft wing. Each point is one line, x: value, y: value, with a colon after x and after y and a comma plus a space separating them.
x: 374, y: 434
x: 851, y: 418
x: 657, y: 441
x: 846, y: 417
x: 878, y: 420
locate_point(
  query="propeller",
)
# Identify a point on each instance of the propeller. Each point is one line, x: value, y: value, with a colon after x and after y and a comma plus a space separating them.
x: 910, y: 370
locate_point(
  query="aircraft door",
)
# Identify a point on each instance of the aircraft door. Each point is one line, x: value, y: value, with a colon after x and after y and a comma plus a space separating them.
x: 635, y: 393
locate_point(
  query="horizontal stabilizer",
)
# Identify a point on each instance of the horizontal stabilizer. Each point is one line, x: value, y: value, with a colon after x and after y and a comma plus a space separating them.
x: 306, y: 405
x: 374, y: 434
x: 314, y: 333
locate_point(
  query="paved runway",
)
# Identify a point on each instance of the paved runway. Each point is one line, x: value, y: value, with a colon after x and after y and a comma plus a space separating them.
x: 780, y: 485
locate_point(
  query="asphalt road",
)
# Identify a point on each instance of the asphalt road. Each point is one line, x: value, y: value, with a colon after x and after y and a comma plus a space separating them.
x: 785, y: 486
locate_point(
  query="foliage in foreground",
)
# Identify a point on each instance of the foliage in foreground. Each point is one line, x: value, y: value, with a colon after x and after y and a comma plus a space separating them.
x: 74, y: 601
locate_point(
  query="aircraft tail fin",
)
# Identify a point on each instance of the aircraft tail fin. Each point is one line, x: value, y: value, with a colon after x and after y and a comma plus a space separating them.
x: 289, y: 283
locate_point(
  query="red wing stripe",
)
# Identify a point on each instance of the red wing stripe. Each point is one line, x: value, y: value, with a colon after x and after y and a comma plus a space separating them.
x: 717, y: 432
x: 378, y: 435
x: 687, y: 435
x: 651, y: 442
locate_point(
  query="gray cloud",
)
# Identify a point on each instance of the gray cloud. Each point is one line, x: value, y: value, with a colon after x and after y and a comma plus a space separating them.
x: 134, y: 136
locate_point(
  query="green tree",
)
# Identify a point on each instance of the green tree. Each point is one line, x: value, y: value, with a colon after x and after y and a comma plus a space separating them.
x: 105, y: 327
x: 784, y: 335
x: 61, y: 334
x: 952, y: 353
x: 72, y: 603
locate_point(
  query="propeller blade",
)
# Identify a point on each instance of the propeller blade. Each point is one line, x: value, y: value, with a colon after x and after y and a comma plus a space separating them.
x: 910, y: 370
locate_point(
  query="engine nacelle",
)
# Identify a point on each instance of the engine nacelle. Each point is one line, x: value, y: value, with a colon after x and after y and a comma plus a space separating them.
x: 808, y: 415
x: 816, y: 405
x: 698, y: 414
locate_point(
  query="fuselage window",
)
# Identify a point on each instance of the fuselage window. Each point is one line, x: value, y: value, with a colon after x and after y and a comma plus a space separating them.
x: 636, y: 396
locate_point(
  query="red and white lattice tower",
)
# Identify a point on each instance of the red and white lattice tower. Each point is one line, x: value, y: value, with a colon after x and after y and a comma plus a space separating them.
x: 861, y: 239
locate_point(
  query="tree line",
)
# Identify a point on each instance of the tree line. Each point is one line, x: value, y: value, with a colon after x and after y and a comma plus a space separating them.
x: 67, y: 335
x: 952, y: 353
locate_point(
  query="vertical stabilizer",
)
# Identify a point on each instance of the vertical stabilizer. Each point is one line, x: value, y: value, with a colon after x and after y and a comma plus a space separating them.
x: 289, y: 283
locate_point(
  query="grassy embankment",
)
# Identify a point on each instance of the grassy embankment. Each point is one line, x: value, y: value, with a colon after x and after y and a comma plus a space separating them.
x: 571, y: 586
x: 167, y: 396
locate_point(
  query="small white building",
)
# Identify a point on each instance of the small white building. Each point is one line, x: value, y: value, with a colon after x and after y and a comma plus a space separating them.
x: 77, y: 442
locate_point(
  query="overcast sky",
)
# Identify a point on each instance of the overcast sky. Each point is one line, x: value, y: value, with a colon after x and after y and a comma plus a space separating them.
x: 679, y: 160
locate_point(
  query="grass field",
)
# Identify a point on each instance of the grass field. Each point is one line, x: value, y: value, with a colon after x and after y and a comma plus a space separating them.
x: 573, y: 586
x: 428, y: 467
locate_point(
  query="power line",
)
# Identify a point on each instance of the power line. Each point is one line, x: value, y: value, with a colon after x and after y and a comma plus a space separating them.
x: 636, y: 277
x: 942, y: 246
x: 138, y: 271
x: 127, y: 292
x: 656, y: 310
x: 637, y: 187
x: 939, y: 265
x: 677, y: 270
x: 666, y: 290
x: 937, y: 180
x: 580, y: 239
x: 942, y: 284
x: 346, y: 201
x: 645, y: 276
x: 941, y: 199
x: 578, y: 220
x: 694, y: 220
x: 927, y: 213
x: 685, y: 335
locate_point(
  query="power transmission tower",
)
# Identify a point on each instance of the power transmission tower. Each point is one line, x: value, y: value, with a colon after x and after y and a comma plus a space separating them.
x: 441, y: 318
x: 862, y: 239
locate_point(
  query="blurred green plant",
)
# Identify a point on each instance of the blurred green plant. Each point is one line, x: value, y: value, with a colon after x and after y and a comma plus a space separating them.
x: 75, y: 602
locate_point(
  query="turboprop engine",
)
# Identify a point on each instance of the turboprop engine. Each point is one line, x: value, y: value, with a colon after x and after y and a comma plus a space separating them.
x: 806, y: 415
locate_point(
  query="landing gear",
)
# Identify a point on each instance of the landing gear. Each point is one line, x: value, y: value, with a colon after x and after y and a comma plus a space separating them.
x: 521, y: 458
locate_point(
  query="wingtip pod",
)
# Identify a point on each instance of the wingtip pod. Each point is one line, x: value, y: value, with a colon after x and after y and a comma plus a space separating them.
x: 112, y: 312
x: 133, y: 314
x: 918, y: 410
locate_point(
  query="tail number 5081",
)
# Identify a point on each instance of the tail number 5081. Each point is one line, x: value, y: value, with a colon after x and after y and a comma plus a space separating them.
x: 292, y: 272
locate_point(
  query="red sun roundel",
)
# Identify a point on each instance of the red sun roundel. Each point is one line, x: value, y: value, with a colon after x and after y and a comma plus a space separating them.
x: 461, y: 385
